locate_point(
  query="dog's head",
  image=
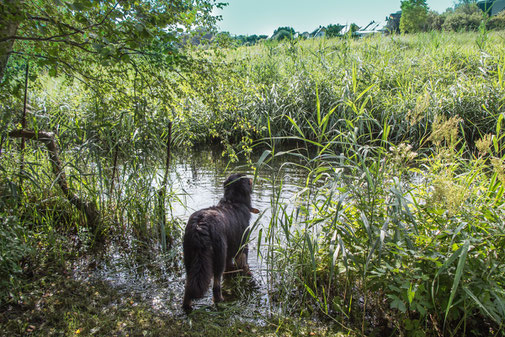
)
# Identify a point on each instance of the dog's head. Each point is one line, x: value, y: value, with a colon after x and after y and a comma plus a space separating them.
x: 237, y: 189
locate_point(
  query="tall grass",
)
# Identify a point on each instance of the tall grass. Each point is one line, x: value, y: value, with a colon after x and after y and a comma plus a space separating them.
x: 386, y: 240
x: 401, y: 81
x: 398, y: 226
x: 113, y: 160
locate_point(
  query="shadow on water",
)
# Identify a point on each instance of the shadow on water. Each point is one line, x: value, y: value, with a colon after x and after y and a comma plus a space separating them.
x: 143, y: 271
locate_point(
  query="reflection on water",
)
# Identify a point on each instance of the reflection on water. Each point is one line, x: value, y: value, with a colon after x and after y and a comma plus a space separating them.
x: 196, y: 183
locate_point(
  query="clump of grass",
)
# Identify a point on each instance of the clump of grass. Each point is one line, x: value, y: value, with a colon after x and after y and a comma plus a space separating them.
x: 398, y: 80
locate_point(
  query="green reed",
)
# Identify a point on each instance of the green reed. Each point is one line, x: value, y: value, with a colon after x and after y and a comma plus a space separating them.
x: 399, y: 221
x: 381, y: 235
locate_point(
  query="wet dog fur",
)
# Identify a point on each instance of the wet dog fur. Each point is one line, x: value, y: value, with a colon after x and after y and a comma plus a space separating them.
x: 214, y: 237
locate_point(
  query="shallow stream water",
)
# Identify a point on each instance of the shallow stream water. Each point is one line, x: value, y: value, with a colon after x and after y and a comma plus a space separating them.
x: 158, y: 278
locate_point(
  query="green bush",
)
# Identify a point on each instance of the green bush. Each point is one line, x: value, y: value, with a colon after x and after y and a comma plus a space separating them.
x: 498, y: 21
x: 282, y: 35
x: 464, y: 18
x: 434, y: 21
x: 462, y: 22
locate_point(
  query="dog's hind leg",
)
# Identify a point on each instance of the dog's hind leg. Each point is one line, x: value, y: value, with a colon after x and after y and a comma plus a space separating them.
x: 217, y: 295
x: 186, y: 303
x: 230, y: 265
x: 219, y: 267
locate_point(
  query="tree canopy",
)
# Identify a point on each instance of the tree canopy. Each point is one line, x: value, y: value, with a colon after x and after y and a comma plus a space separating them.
x: 334, y: 30
x: 282, y: 33
x: 74, y: 34
x: 414, y: 15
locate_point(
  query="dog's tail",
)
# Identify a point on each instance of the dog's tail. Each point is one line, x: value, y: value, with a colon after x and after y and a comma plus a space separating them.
x: 198, y: 257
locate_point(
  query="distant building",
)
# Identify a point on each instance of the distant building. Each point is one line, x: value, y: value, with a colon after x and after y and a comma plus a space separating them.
x: 393, y: 22
x: 492, y: 7
x: 320, y: 32
x: 371, y: 29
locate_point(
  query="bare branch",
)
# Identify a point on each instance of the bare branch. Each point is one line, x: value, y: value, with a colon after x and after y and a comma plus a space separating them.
x: 88, y: 208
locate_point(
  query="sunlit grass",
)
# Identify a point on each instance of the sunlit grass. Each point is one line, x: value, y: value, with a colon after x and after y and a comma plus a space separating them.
x: 387, y: 237
x: 397, y: 226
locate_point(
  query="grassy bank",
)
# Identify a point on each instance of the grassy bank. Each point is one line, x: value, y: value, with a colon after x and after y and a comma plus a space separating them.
x: 400, y: 81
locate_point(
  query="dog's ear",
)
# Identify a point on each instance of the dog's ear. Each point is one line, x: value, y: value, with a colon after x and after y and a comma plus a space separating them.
x: 254, y: 210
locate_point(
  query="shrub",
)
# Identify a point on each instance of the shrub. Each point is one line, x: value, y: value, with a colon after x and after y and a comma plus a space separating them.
x: 434, y: 21
x: 462, y: 22
x: 282, y: 35
x: 464, y: 18
x: 497, y: 21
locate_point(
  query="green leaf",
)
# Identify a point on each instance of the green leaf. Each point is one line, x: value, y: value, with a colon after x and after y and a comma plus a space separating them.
x: 482, y: 306
x: 398, y: 304
x: 295, y: 126
x: 264, y: 155
x: 498, y: 125
x: 310, y: 291
x: 411, y: 293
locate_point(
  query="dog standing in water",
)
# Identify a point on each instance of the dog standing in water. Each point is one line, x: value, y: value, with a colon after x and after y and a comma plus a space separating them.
x: 214, y: 237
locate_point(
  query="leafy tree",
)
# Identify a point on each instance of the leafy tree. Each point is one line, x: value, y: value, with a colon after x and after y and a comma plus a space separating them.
x: 334, y: 30
x: 224, y: 39
x: 464, y: 17
x: 282, y: 33
x: 250, y: 39
x: 414, y: 15
x: 434, y: 21
x: 288, y: 29
x: 75, y: 34
x: 129, y: 55
x: 467, y: 8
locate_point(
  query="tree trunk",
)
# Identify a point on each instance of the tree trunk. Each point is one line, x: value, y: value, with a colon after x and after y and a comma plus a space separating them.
x: 10, y: 17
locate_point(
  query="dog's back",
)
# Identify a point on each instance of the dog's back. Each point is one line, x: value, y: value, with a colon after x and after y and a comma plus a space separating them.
x: 212, y: 238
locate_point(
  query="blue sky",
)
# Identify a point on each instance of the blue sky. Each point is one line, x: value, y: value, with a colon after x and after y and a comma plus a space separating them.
x: 250, y: 17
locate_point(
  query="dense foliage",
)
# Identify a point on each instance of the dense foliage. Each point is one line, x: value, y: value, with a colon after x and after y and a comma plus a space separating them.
x: 414, y: 14
x: 398, y: 227
x: 282, y: 33
x: 73, y: 35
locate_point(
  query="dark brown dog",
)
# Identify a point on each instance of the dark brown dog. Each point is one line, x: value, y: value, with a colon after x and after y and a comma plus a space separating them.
x: 214, y: 237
